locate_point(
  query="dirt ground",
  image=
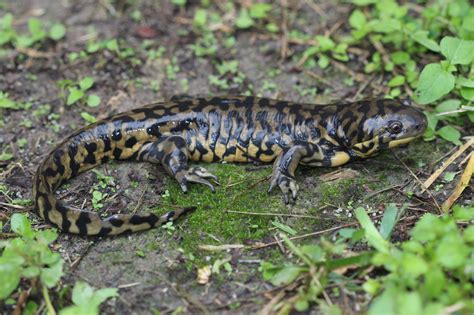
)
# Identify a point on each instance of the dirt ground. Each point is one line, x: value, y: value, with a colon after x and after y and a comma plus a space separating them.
x: 156, y: 270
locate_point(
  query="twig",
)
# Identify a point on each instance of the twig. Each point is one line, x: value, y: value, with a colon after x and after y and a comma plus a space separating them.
x: 267, y: 309
x: 32, y: 53
x: 362, y: 88
x: 315, y: 7
x: 140, y: 200
x: 216, y: 248
x: 20, y: 304
x: 128, y: 285
x: 260, y: 246
x: 275, y: 214
x: 10, y: 205
x: 381, y: 191
x: 448, y: 162
x: 417, y: 179
x: 453, y: 308
x: 433, y: 163
x: 461, y: 185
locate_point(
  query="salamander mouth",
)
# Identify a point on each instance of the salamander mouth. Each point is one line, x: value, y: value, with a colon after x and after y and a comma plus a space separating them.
x: 400, y: 142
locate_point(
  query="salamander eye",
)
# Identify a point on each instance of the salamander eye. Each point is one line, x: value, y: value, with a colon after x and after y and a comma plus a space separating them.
x: 395, y: 127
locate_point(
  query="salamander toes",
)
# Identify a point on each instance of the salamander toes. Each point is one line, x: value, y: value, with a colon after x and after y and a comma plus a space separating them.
x: 197, y: 175
x: 203, y: 173
x: 287, y: 184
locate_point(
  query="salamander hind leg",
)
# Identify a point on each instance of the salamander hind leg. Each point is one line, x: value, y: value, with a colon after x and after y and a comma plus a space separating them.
x: 172, y: 153
x: 285, y: 166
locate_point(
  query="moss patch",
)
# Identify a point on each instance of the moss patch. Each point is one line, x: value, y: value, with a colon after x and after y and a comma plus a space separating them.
x: 240, y: 190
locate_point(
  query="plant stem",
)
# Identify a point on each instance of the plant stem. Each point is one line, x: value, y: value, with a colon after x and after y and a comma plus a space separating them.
x: 47, y: 300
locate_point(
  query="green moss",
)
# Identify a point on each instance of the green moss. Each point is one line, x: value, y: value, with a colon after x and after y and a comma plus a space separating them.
x: 240, y: 190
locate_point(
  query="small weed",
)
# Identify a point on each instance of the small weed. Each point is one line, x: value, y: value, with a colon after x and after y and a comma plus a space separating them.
x: 425, y: 275
x: 87, y: 300
x: 429, y: 272
x: 28, y: 256
x: 77, y: 92
x: 38, y: 34
x: 7, y: 103
x: 169, y: 228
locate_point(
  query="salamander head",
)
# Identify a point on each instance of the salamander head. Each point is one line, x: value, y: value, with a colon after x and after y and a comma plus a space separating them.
x: 382, y: 124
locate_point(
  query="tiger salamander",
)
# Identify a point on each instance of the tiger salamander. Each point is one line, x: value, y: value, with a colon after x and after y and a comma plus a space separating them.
x: 233, y: 129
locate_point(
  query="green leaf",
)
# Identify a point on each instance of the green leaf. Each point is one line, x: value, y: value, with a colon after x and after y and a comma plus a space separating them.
x: 24, y: 41
x: 180, y: 3
x: 449, y: 176
x: 462, y: 81
x: 272, y: 27
x: 31, y: 272
x: 200, y: 17
x: 396, y: 81
x: 244, y: 20
x: 371, y: 286
x: 432, y: 120
x: 469, y: 234
x: 35, y: 27
x: 360, y: 260
x: 373, y: 236
x: 21, y: 225
x: 427, y: 228
x: 57, y: 31
x: 87, y: 300
x: 413, y: 265
x: 86, y: 83
x: 387, y: 25
x: 448, y: 105
x: 314, y: 252
x: 88, y: 117
x: 112, y: 45
x: 364, y: 2
x: 286, y: 275
x: 400, y: 57
x: 284, y: 228
x: 468, y: 21
x: 10, y: 273
x: 449, y: 133
x: 434, y: 83
x: 46, y: 237
x: 74, y: 95
x: 457, y: 51
x: 30, y: 308
x: 435, y: 282
x: 452, y: 252
x: 409, y: 303
x: 260, y: 10
x: 7, y: 21
x: 468, y: 93
x: 384, y: 303
x: 422, y: 38
x: 389, y: 220
x: 463, y: 213
x: 7, y: 103
x: 357, y: 19
x: 325, y: 43
x: 93, y: 100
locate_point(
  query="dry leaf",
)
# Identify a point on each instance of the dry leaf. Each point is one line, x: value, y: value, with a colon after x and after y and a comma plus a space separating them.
x: 345, y: 173
x: 461, y: 185
x: 204, y: 275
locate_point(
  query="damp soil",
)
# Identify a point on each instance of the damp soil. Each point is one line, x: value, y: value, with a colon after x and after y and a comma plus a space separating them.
x: 156, y: 271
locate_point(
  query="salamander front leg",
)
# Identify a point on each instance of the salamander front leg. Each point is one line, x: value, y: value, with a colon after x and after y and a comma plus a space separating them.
x: 173, y: 153
x: 285, y: 166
